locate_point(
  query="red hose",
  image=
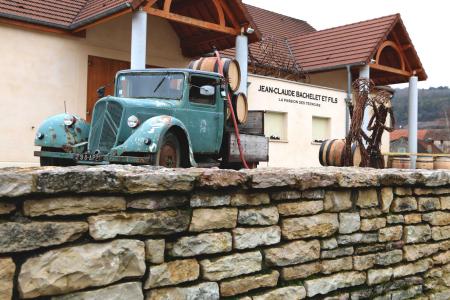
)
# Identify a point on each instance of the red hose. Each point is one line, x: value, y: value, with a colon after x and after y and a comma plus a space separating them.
x: 230, y: 106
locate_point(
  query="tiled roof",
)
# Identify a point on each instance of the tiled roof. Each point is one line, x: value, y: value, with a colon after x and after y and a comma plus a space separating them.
x: 399, y: 133
x: 63, y: 14
x: 343, y: 45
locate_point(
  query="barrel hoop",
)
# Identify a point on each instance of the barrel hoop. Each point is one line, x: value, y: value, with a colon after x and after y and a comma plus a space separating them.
x: 327, y: 155
x: 191, y: 64
x: 226, y: 65
x: 216, y: 67
x: 199, y: 67
x: 321, y: 152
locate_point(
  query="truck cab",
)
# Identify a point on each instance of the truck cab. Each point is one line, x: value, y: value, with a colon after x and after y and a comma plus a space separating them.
x: 167, y: 117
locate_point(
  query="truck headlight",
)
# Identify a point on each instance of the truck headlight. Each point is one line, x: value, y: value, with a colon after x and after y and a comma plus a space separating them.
x: 69, y: 120
x: 133, y: 121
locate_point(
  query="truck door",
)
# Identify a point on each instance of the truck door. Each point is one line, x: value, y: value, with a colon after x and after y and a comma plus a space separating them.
x: 204, y: 116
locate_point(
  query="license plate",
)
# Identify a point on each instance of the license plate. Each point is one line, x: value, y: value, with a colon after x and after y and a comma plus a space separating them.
x: 88, y: 157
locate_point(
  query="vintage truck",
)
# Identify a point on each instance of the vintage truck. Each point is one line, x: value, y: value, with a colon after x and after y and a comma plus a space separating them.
x: 166, y: 117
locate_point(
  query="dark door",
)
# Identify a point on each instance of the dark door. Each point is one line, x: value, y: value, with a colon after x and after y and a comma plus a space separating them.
x: 101, y: 72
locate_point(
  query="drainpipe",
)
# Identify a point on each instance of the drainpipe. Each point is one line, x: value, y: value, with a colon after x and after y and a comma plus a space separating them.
x: 348, y: 100
x: 242, y: 58
x: 412, y: 119
x: 138, y: 39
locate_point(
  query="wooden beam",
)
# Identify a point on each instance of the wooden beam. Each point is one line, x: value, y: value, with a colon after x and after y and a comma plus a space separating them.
x: 397, y: 50
x: 101, y: 21
x: 230, y: 15
x: 397, y: 40
x: 407, y: 47
x: 379, y: 67
x: 167, y: 4
x: 220, y: 13
x: 190, y: 21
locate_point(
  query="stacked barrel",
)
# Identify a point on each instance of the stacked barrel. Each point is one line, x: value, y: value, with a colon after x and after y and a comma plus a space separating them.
x: 232, y: 74
x: 332, y: 153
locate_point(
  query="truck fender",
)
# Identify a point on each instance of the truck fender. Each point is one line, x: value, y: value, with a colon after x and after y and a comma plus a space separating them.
x: 55, y: 134
x: 148, y: 137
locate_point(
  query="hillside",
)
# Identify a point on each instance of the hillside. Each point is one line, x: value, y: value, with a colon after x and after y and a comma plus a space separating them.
x: 434, y: 104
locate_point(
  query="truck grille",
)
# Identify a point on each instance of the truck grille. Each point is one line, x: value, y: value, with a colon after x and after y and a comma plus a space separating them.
x: 105, y: 126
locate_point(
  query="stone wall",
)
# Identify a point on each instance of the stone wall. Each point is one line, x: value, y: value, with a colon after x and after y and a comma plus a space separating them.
x: 121, y: 232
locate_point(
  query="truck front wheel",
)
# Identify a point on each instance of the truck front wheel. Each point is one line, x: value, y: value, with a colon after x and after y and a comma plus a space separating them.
x: 169, y: 153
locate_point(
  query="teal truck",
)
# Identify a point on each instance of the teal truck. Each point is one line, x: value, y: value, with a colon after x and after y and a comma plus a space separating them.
x: 166, y: 117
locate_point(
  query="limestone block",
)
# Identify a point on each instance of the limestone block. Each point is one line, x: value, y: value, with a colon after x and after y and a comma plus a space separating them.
x: 417, y: 234
x: 349, y: 222
x: 313, y: 194
x: 372, y: 224
x: 172, y: 273
x: 387, y: 196
x: 293, y: 253
x: 371, y: 248
x: 129, y: 290
x: 389, y: 257
x: 389, y: 234
x: 258, y: 216
x: 204, y: 243
x: 442, y: 258
x: 417, y: 251
x: 209, y: 200
x: 247, y: 238
x: 379, y: 276
x: 364, y: 262
x: 202, y: 291
x: 286, y: 195
x: 395, y: 219
x: 324, y: 285
x: 284, y: 293
x: 343, y: 296
x: 16, y: 237
x: 108, y: 226
x: 370, y: 212
x: 217, y: 179
x: 431, y: 191
x: 78, y: 205
x: 250, y: 199
x: 330, y: 243
x: 413, y: 218
x: 419, y: 266
x: 404, y: 204
x: 336, y: 201
x: 75, y: 268
x: 154, y: 251
x: 157, y: 201
x: 206, y: 219
x: 367, y: 198
x: 403, y: 191
x: 437, y: 218
x: 445, y: 202
x: 440, y: 233
x: 322, y: 225
x: 301, y: 208
x: 231, y: 265
x: 7, y: 270
x: 300, y: 271
x: 244, y: 284
x: 336, y: 265
x: 337, y: 252
x: 407, y: 293
x: 428, y: 203
x: 357, y: 238
x: 7, y: 208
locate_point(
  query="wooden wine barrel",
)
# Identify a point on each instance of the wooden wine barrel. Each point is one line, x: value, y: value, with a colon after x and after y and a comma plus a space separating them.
x: 441, y: 162
x: 424, y: 162
x: 400, y: 162
x: 231, y: 69
x: 240, y: 106
x: 331, y: 153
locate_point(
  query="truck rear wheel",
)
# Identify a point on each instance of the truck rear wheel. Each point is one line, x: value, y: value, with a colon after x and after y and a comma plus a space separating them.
x: 169, y: 154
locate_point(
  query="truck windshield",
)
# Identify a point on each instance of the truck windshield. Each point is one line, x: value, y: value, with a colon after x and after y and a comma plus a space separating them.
x: 150, y: 85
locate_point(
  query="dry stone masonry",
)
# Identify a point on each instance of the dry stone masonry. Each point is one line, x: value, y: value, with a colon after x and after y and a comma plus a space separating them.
x: 123, y: 232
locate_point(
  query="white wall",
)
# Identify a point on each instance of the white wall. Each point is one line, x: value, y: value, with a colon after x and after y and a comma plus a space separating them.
x: 298, y: 150
x: 42, y: 70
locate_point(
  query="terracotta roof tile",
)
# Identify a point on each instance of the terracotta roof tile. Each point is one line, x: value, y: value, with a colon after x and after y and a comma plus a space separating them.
x: 353, y: 43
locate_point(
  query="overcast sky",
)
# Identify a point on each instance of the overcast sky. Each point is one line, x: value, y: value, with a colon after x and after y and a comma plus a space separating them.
x: 427, y: 22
